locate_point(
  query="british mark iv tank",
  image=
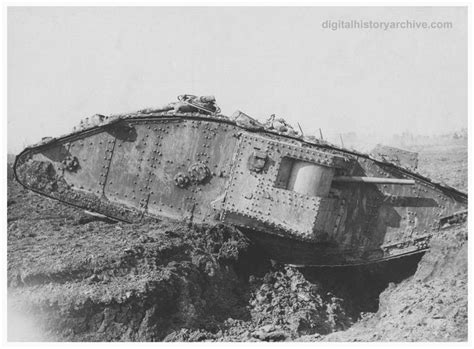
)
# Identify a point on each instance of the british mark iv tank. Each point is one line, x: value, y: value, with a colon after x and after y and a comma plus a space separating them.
x: 303, y: 200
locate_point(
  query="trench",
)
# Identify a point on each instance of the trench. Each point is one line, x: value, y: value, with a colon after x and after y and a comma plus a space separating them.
x: 219, y: 287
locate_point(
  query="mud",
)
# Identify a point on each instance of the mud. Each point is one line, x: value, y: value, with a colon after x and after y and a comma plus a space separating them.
x: 73, y: 277
x: 431, y: 305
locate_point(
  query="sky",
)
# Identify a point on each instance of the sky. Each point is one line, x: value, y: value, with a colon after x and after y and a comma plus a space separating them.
x: 67, y: 63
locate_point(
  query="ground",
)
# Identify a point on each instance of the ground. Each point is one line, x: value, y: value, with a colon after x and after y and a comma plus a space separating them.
x: 73, y: 277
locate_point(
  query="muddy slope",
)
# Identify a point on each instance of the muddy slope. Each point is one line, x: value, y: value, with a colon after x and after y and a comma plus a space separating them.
x: 429, y: 306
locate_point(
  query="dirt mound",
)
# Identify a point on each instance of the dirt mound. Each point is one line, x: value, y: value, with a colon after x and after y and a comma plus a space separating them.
x: 283, y: 305
x: 287, y: 299
x: 168, y: 279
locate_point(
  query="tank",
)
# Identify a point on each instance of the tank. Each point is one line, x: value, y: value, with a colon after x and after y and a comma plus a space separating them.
x: 302, y: 199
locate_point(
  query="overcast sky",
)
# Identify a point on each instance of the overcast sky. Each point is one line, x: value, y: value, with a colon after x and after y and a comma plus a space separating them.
x: 68, y: 63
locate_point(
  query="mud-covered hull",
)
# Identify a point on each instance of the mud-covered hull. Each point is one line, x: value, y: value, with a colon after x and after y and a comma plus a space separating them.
x: 286, y: 193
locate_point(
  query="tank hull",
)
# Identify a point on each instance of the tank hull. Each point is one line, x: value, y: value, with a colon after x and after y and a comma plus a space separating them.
x: 282, y: 191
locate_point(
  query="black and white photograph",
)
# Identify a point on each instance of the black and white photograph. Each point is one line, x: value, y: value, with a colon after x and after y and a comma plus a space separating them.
x: 208, y: 173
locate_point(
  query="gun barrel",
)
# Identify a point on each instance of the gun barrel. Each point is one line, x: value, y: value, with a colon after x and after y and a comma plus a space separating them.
x: 373, y: 180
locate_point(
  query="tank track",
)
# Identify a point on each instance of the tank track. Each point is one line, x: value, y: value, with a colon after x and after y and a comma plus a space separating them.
x: 444, y: 222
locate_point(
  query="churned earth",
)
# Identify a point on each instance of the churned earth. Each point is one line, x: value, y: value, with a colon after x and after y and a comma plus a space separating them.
x: 74, y: 277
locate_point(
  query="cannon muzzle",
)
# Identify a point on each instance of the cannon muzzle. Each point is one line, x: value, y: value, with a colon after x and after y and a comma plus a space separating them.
x: 373, y: 180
